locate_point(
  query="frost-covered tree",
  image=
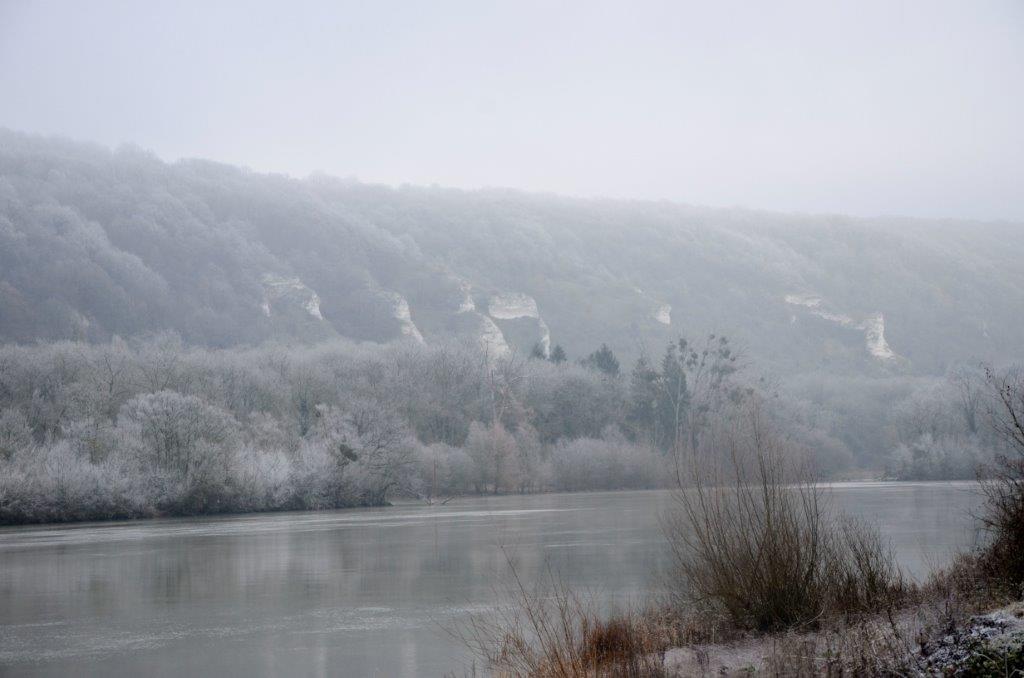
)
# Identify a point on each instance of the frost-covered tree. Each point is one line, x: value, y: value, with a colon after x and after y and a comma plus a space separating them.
x: 495, y: 453
x: 179, y: 433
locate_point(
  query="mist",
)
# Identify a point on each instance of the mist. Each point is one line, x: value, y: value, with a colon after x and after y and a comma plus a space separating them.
x: 870, y: 108
x: 533, y: 340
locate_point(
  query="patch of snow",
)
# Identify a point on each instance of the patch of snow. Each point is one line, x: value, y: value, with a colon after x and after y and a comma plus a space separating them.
x: 989, y: 635
x: 400, y: 311
x: 664, y: 314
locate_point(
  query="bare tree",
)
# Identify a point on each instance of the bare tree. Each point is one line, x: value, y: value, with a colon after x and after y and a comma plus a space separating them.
x: 1003, y: 481
x: 753, y: 534
x: 969, y: 387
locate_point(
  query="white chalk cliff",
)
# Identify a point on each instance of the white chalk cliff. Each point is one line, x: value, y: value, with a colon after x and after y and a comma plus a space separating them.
x: 400, y: 311
x: 277, y: 288
x: 514, y: 305
x: 872, y: 326
x: 663, y: 314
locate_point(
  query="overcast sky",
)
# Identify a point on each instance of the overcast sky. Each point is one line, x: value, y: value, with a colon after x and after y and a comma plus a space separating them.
x: 860, y: 107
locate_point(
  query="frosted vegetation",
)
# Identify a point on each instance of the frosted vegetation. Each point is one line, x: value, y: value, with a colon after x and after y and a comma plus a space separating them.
x: 153, y: 427
x: 96, y: 244
x: 313, y: 343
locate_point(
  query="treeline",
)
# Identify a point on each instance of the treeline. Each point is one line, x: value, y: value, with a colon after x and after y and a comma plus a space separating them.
x: 152, y: 427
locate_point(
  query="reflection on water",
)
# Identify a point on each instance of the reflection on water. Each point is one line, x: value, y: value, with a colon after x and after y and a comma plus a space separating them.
x: 353, y: 593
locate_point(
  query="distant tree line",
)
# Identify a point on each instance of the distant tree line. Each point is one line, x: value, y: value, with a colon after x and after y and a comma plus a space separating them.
x: 156, y: 427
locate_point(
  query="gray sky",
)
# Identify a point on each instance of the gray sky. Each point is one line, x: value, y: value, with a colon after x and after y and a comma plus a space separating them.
x: 860, y: 107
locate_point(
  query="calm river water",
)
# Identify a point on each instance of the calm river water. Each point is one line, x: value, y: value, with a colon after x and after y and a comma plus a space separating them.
x: 353, y: 593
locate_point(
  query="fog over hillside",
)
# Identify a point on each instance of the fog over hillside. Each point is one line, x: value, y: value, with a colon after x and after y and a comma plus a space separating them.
x: 522, y: 339
x: 97, y: 243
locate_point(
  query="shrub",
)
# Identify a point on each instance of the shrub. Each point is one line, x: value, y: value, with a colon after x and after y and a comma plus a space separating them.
x: 52, y: 483
x: 180, y: 433
x: 756, y: 537
x: 936, y: 458
x: 445, y: 470
x: 548, y: 631
x: 1002, y: 559
x: 14, y: 432
x: 595, y: 464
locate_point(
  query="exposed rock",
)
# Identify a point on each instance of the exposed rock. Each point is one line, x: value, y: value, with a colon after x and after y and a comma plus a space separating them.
x: 512, y: 306
x: 874, y: 334
x: 466, y: 304
x: 664, y: 314
x: 492, y: 340
x: 278, y: 288
x: 401, y: 312
x: 873, y: 326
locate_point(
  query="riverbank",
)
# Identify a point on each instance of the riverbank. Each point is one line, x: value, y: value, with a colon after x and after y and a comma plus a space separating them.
x: 922, y: 641
x: 14, y: 515
x: 941, y: 629
x: 768, y: 576
x: 960, y: 622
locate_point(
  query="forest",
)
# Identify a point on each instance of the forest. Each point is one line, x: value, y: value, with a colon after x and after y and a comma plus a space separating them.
x: 152, y: 426
x: 193, y: 337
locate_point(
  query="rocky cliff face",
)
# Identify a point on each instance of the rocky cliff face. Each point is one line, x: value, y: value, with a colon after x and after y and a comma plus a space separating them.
x: 282, y: 292
x: 872, y: 326
x: 528, y: 326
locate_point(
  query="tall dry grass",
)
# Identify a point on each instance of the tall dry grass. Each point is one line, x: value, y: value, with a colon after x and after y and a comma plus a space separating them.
x: 550, y: 631
x: 756, y: 538
x: 765, y: 563
x: 1001, y: 561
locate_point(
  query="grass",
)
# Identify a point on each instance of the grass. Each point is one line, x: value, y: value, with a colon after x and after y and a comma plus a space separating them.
x: 757, y: 539
x: 551, y: 631
x: 769, y: 578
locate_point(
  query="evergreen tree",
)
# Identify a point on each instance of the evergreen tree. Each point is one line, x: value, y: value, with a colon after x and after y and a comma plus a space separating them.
x: 602, y: 360
x: 557, y: 354
x: 673, y: 394
x: 643, y: 397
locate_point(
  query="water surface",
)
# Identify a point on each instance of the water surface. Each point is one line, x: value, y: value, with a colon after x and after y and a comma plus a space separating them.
x: 365, y: 592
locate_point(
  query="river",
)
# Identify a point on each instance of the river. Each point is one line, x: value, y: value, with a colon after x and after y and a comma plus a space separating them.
x: 368, y: 592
